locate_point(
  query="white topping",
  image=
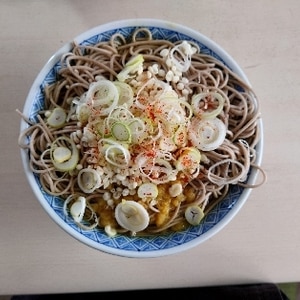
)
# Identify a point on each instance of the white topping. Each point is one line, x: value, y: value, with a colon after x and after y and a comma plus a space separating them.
x: 88, y: 180
x: 103, y: 94
x: 208, y: 134
x: 57, y: 117
x: 194, y: 215
x: 175, y: 189
x: 148, y: 190
x: 164, y: 53
x: 201, y: 102
x: 180, y: 56
x: 78, y: 208
x: 61, y: 154
x: 106, y: 196
x: 83, y: 113
x: 110, y: 231
x: 121, y: 132
x: 61, y: 163
x: 132, y: 216
x: 189, y: 159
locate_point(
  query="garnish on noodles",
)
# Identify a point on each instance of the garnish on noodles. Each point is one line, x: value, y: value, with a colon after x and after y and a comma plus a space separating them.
x: 143, y: 137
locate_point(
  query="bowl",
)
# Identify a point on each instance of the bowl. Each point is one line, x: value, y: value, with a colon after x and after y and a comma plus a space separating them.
x: 139, y: 246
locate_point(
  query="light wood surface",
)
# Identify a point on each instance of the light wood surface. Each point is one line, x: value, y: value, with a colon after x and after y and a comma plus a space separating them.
x: 261, y: 244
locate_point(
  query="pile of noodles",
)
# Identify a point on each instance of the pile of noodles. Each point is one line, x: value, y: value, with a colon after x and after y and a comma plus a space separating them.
x: 85, y: 63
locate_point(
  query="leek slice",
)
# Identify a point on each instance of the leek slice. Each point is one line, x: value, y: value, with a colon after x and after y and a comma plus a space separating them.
x: 189, y: 159
x: 157, y: 170
x: 207, y: 135
x: 208, y: 99
x: 77, y: 209
x: 117, y: 155
x: 57, y: 118
x: 180, y: 56
x: 88, y: 180
x: 180, y: 136
x: 132, y: 216
x: 121, y: 132
x: 61, y: 154
x: 138, y: 129
x: 135, y: 64
x: 103, y: 95
x: 175, y: 189
x: 147, y: 190
x: 167, y: 144
x: 125, y: 93
x: 194, y: 214
x: 83, y: 113
x: 64, y: 165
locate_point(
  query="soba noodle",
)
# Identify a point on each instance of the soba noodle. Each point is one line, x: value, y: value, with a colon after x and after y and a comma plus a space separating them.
x: 144, y: 140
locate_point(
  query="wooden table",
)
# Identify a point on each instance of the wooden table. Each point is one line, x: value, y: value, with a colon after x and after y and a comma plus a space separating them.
x: 261, y: 244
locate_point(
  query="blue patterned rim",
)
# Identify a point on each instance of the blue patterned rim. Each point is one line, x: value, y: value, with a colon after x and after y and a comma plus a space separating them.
x: 123, y: 245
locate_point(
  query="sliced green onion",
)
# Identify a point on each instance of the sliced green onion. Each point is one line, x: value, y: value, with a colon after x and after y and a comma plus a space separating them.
x: 83, y: 113
x: 132, y: 216
x: 117, y: 155
x: 180, y: 56
x: 77, y: 209
x: 157, y: 170
x: 120, y: 113
x: 102, y: 128
x: 57, y: 117
x: 139, y: 129
x: 135, y: 64
x: 121, y: 132
x: 208, y: 98
x: 103, y: 94
x: 208, y: 134
x: 175, y: 189
x: 187, y: 107
x: 64, y: 165
x: 167, y: 144
x: 88, y: 180
x: 171, y: 111
x: 147, y: 190
x: 189, y: 159
x: 194, y: 214
x: 125, y: 93
x: 61, y: 154
x: 180, y: 136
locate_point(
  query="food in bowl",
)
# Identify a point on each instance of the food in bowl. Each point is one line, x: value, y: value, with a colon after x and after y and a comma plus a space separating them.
x: 141, y: 135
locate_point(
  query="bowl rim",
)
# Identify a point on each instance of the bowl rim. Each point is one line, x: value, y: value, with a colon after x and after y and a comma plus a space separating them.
x: 147, y: 22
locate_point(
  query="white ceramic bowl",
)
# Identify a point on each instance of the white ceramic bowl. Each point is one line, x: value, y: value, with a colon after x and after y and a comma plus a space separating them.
x: 124, y: 245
